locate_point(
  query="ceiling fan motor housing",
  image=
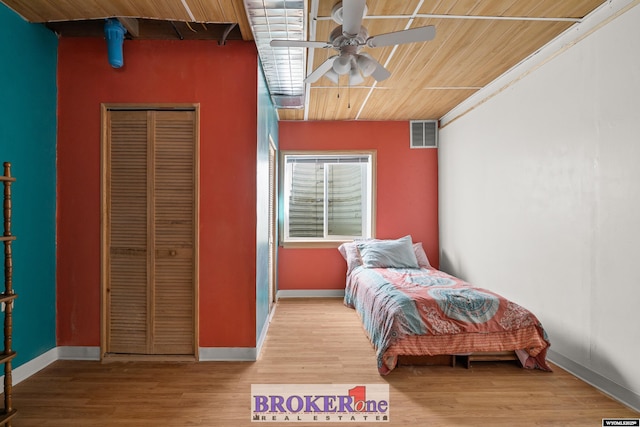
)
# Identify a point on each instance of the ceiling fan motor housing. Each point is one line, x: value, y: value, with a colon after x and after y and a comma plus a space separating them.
x: 347, y: 43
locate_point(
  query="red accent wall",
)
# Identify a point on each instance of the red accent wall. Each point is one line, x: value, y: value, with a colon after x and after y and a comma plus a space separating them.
x: 407, y: 194
x: 223, y: 80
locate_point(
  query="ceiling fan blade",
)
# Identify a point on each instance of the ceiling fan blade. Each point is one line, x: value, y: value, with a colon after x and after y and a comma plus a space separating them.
x: 299, y: 43
x: 380, y: 73
x: 321, y: 70
x: 421, y: 34
x: 352, y: 13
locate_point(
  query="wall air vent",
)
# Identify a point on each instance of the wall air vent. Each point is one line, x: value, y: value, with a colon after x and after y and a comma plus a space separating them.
x: 424, y: 133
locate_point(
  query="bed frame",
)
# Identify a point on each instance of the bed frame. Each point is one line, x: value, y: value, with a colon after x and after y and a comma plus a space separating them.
x: 452, y: 360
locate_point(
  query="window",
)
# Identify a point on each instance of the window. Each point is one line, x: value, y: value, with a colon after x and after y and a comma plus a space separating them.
x: 328, y: 197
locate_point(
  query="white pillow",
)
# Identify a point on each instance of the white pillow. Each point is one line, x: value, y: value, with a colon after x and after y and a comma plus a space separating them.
x: 397, y: 253
x: 349, y: 251
x: 421, y: 255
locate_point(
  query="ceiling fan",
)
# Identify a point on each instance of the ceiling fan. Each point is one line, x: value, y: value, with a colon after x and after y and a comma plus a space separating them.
x: 348, y: 39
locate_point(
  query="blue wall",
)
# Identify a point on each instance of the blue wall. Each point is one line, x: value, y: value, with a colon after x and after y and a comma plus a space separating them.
x: 267, y: 128
x: 28, y: 54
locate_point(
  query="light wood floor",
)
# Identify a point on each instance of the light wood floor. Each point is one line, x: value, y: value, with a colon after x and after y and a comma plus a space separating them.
x: 310, y: 341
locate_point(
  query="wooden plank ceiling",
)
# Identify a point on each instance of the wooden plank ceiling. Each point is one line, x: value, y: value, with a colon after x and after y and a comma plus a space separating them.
x: 476, y: 41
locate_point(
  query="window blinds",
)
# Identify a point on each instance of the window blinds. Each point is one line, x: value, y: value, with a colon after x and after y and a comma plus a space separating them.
x: 327, y: 195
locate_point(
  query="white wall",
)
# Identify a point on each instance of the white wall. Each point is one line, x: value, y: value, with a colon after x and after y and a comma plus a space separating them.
x: 540, y: 201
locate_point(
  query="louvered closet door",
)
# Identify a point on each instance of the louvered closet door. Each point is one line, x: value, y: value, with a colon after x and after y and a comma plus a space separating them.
x: 174, y: 233
x: 127, y: 290
x: 151, y: 220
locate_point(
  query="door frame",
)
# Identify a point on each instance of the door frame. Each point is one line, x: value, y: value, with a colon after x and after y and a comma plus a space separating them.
x: 105, y: 166
x: 273, y: 224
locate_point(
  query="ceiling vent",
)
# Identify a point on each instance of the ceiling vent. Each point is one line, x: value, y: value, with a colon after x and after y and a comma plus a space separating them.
x: 424, y: 133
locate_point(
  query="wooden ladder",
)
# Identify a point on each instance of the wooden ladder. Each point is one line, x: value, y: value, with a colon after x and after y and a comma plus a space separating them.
x: 6, y: 298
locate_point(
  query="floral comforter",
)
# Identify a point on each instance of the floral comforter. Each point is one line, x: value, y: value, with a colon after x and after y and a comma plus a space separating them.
x: 429, y: 312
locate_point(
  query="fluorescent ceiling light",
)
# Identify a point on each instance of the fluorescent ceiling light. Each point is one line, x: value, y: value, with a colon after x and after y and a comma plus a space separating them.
x: 283, y: 67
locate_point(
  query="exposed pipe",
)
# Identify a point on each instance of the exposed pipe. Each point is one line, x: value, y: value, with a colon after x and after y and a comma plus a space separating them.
x: 114, y: 33
x: 229, y: 28
x: 178, y: 33
x: 310, y: 55
x: 480, y: 17
x: 188, y: 10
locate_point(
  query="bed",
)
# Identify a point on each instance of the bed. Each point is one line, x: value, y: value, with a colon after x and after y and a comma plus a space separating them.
x: 409, y: 308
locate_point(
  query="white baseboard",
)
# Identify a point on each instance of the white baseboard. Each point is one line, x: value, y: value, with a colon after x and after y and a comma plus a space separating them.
x: 311, y: 293
x: 605, y: 385
x: 78, y: 353
x: 35, y: 365
x: 205, y: 353
x: 24, y: 371
x: 228, y: 354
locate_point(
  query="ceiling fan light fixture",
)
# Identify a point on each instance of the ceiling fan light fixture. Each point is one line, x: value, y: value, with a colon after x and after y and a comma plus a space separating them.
x: 355, y: 78
x: 333, y: 76
x: 342, y: 64
x: 366, y: 64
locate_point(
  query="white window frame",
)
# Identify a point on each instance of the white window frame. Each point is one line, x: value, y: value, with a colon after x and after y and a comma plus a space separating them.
x: 368, y: 214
